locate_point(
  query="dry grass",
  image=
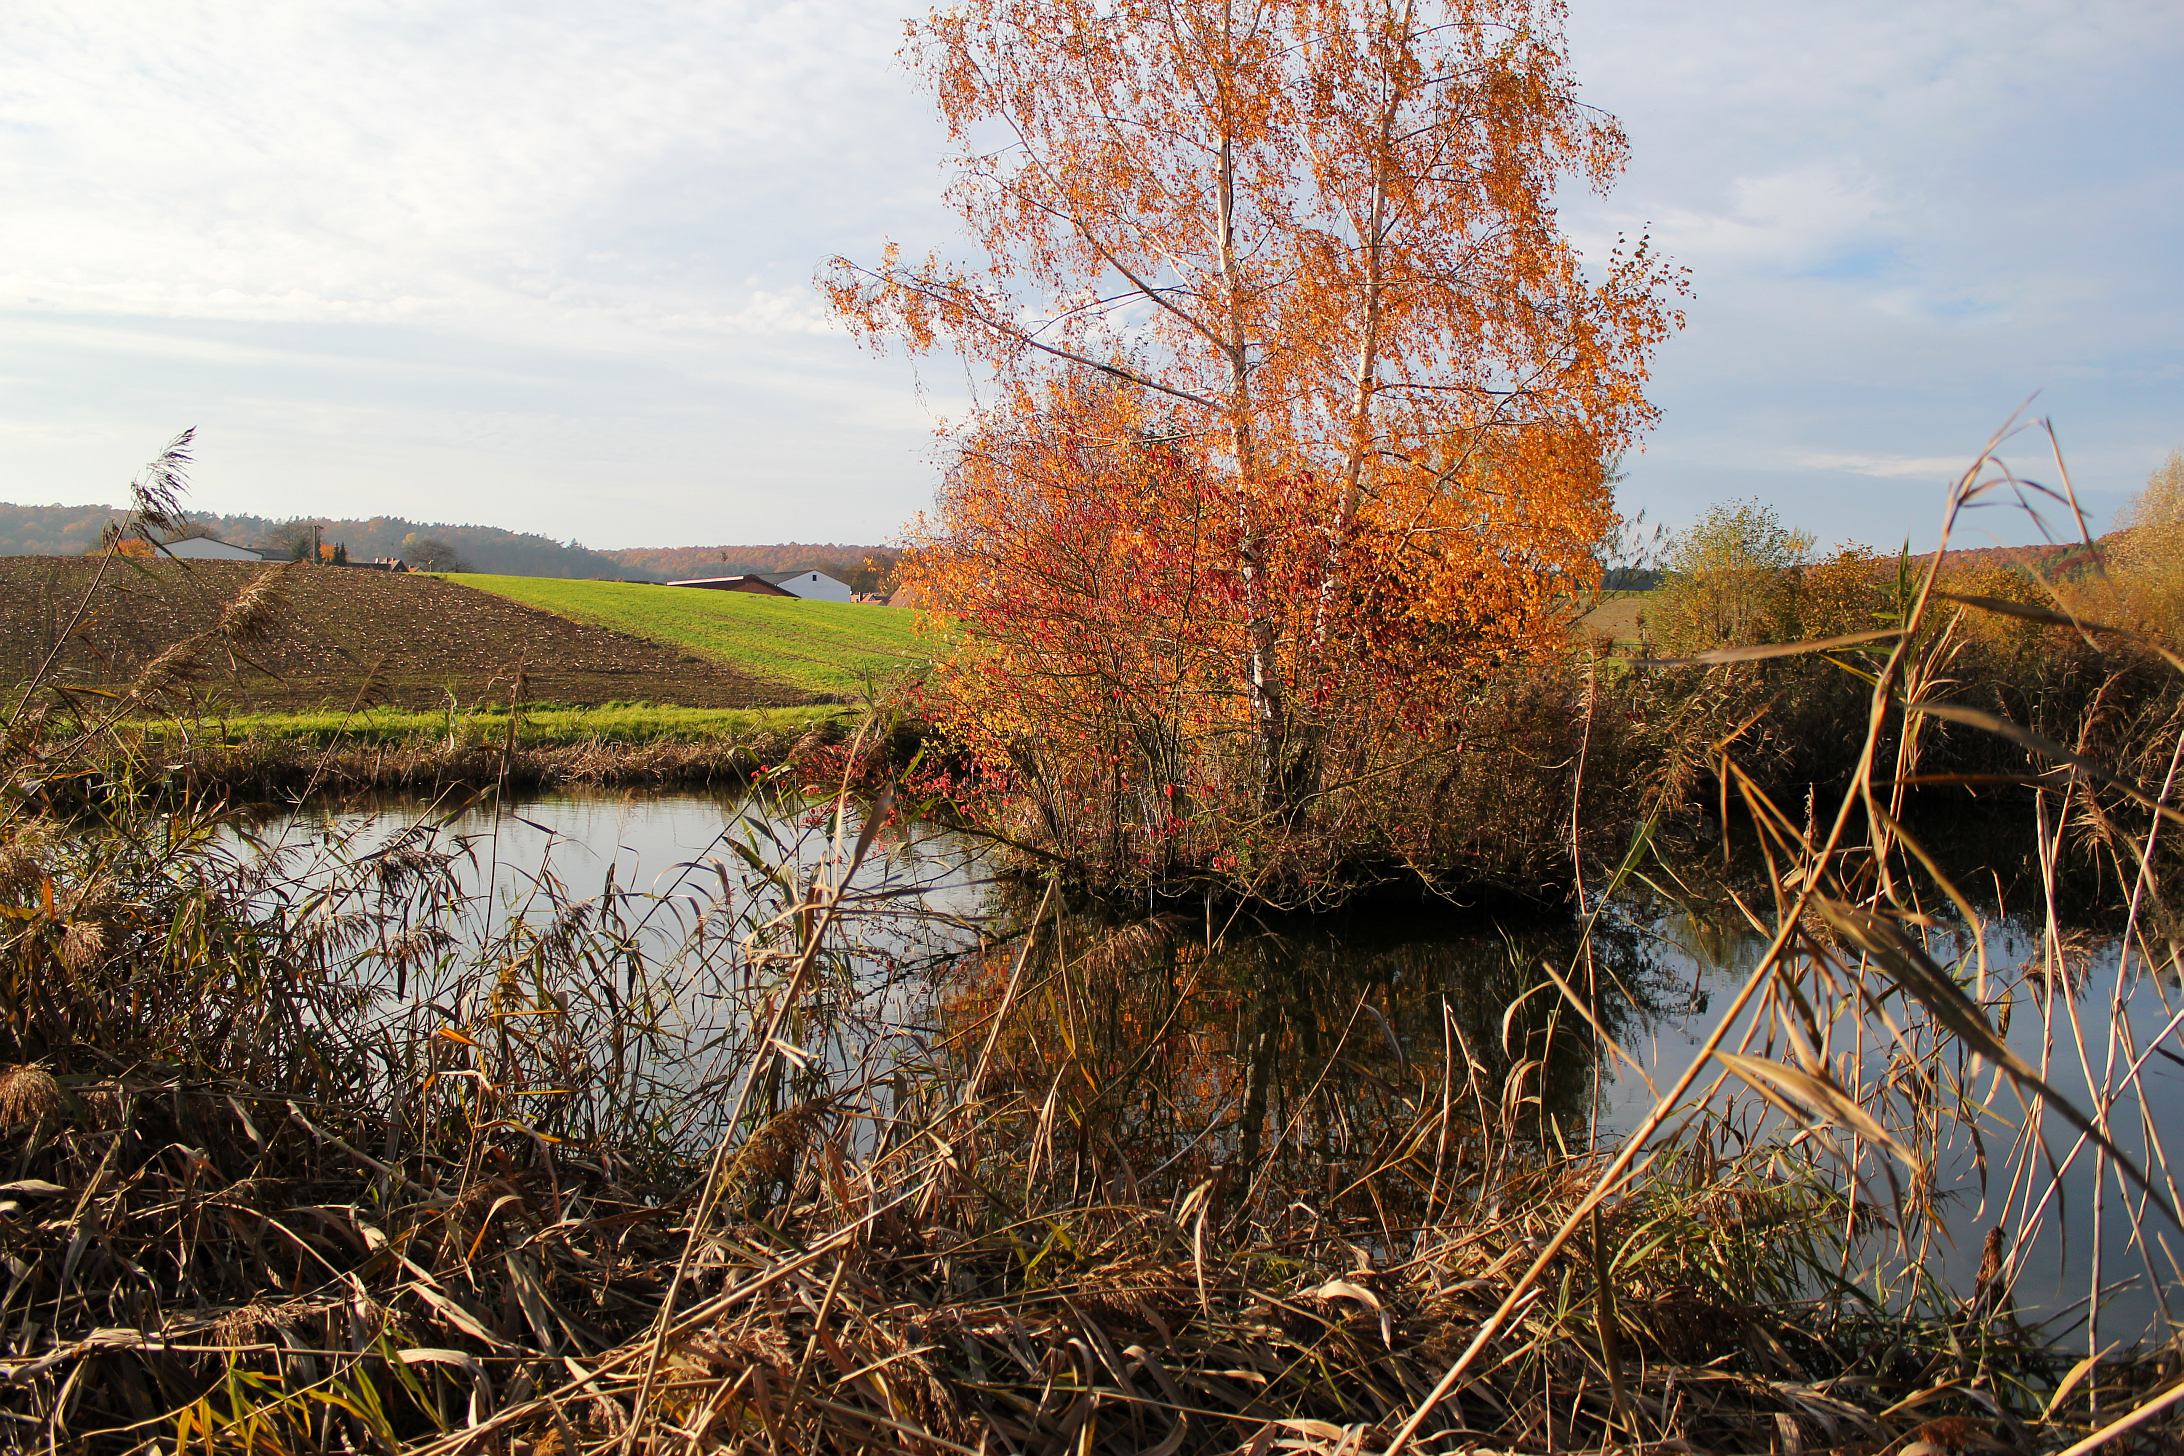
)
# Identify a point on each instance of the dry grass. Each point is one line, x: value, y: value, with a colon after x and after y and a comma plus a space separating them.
x: 28, y: 1098
x: 334, y: 1166
x: 262, y: 768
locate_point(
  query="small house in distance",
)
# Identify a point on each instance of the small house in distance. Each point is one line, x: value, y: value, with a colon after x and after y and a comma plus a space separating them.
x: 810, y: 585
x: 205, y: 548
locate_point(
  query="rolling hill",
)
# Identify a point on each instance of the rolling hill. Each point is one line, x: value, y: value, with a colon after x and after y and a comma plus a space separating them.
x: 64, y: 530
x: 834, y: 649
x: 338, y: 637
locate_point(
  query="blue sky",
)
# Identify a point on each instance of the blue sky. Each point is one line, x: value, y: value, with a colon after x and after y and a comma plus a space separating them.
x: 549, y: 266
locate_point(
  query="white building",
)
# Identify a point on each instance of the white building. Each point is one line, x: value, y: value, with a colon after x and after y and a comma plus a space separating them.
x: 204, y: 548
x: 812, y: 585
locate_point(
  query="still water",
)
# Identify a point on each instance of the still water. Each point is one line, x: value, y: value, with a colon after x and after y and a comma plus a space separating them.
x: 1298, y: 1050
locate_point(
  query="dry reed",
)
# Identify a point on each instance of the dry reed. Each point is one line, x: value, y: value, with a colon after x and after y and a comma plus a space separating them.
x: 316, y: 1158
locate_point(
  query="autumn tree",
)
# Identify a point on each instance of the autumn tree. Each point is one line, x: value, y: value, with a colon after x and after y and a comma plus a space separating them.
x: 1733, y: 578
x: 1311, y: 247
x: 2161, y: 503
x: 291, y: 541
x: 2146, y: 555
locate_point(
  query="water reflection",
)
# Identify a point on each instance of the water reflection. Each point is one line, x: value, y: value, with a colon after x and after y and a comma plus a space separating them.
x: 1298, y: 1054
x: 618, y: 948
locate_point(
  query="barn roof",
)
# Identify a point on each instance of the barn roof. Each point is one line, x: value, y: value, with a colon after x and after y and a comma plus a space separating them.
x: 741, y: 579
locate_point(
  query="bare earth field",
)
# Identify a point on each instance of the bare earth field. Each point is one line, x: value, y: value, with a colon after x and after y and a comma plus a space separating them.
x: 416, y: 640
x: 1618, y: 620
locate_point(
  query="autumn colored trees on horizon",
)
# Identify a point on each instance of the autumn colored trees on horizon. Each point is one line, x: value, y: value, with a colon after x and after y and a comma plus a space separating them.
x: 1296, y: 404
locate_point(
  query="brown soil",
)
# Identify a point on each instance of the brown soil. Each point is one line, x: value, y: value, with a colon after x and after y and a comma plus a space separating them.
x: 338, y: 635
x: 1619, y: 621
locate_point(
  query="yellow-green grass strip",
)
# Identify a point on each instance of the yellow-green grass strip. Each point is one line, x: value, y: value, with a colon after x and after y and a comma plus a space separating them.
x: 626, y: 723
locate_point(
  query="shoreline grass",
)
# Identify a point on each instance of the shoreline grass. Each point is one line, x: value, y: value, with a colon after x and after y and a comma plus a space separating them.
x: 536, y: 727
x: 293, y: 755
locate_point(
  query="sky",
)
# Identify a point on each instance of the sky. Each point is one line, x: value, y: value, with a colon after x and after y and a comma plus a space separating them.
x: 549, y: 266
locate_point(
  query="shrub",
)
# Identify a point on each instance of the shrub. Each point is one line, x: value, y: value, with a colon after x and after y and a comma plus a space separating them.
x: 1731, y: 580
x: 2146, y: 559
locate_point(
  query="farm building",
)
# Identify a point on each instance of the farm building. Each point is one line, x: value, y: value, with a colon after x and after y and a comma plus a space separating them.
x: 815, y: 585
x: 756, y: 584
x: 811, y: 585
x: 205, y: 548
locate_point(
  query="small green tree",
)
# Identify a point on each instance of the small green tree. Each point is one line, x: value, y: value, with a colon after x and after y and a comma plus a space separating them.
x: 1732, y: 580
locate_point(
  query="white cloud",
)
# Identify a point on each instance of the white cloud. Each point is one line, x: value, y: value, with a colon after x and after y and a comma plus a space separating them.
x: 483, y: 169
x: 1903, y: 221
x: 1783, y: 220
x: 549, y: 264
x: 1936, y: 468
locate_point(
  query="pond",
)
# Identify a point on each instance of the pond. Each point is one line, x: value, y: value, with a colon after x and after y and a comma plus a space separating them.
x: 1213, y: 1048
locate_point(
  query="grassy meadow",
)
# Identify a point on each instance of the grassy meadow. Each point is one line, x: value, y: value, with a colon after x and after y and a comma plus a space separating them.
x: 1619, y: 619
x: 831, y: 649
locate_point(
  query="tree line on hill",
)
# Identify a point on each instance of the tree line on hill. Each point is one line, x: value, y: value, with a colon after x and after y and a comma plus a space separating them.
x: 64, y: 530
x: 59, y: 530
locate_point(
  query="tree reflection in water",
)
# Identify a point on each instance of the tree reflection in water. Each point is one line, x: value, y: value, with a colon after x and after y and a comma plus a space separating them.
x: 1300, y: 1060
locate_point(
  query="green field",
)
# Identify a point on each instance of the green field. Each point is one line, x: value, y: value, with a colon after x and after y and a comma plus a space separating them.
x: 831, y: 649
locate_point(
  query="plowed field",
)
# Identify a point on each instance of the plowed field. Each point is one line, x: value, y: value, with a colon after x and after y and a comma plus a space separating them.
x: 414, y: 639
x: 839, y: 649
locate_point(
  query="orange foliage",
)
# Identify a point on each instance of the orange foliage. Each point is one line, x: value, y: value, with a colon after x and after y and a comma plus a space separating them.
x: 1297, y: 397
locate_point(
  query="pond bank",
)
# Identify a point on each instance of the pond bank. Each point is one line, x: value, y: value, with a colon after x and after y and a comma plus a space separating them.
x: 285, y: 755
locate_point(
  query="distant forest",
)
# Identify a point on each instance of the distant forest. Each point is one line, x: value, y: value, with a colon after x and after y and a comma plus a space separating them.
x: 73, y: 530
